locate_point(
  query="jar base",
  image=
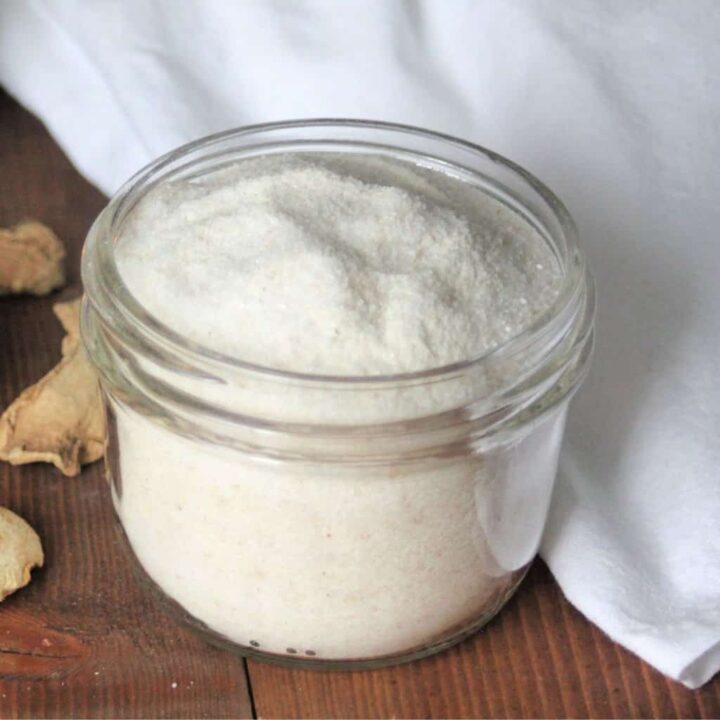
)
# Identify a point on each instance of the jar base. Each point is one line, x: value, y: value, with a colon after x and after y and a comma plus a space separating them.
x: 375, y: 663
x: 449, y: 638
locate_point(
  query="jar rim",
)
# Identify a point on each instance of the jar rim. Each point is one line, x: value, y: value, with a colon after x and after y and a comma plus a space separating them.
x: 99, y: 259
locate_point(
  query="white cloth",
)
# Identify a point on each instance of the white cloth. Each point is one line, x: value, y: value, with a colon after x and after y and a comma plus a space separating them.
x: 614, y: 104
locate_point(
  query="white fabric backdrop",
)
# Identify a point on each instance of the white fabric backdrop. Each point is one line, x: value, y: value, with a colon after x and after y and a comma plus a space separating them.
x: 615, y: 104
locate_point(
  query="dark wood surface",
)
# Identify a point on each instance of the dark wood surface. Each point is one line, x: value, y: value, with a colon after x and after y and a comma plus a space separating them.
x: 85, y: 640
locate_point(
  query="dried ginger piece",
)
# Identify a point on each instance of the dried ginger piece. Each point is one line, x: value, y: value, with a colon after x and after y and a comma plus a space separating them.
x: 31, y: 259
x: 20, y: 551
x: 60, y: 419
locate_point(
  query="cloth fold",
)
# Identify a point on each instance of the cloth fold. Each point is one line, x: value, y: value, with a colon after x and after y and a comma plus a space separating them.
x: 613, y: 104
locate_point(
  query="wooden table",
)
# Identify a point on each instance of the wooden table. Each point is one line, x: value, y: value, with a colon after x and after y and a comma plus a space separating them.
x: 84, y: 640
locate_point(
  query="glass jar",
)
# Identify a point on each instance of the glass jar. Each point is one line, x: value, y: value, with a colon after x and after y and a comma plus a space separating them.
x: 284, y: 534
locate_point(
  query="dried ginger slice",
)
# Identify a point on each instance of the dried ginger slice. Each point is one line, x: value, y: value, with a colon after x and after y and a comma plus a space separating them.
x: 20, y: 551
x: 31, y: 259
x: 60, y: 419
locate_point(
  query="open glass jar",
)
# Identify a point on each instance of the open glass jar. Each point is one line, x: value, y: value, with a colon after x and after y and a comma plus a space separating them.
x: 285, y: 534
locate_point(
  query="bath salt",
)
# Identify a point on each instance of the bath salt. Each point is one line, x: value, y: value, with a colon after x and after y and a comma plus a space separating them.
x: 333, y: 264
x: 336, y: 265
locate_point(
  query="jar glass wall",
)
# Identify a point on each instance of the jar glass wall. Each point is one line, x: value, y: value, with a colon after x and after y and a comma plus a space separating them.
x: 285, y: 533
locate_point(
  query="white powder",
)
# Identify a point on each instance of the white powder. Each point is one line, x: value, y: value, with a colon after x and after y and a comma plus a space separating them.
x: 333, y: 265
x: 300, y: 265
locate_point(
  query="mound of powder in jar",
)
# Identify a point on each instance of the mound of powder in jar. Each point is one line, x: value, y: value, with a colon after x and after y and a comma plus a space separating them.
x: 336, y: 264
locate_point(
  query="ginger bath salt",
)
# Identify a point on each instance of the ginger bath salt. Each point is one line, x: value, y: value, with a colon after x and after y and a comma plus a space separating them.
x: 337, y: 360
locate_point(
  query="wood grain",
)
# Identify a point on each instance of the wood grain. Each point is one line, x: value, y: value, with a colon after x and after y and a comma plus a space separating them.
x: 84, y: 640
x: 539, y: 658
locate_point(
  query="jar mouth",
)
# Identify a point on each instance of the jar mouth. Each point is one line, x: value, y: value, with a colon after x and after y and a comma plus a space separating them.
x: 101, y: 274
